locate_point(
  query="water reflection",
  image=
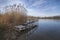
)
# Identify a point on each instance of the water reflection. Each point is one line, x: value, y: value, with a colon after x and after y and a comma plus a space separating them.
x: 31, y: 31
x: 46, y: 30
x: 24, y: 34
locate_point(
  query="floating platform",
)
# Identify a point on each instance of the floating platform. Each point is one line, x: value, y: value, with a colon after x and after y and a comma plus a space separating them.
x: 25, y: 26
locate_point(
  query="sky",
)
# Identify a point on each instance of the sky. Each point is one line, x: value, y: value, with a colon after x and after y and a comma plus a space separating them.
x: 37, y: 7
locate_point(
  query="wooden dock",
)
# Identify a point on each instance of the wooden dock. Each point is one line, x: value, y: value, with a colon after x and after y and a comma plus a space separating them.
x: 27, y: 25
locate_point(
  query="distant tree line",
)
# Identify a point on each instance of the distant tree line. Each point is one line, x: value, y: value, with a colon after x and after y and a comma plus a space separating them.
x: 52, y: 17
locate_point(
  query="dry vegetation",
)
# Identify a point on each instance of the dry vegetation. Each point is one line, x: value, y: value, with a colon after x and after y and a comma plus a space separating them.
x: 13, y: 15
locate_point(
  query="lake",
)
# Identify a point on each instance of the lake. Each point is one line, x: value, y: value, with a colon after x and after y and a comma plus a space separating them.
x: 47, y: 29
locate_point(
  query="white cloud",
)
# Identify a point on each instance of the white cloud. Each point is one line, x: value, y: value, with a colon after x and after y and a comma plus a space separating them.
x: 33, y: 11
x: 38, y: 2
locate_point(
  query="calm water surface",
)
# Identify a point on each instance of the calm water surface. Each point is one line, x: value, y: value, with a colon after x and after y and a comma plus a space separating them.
x: 46, y: 30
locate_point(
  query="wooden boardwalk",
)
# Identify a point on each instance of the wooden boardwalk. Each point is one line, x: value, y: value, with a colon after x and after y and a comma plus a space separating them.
x: 27, y: 25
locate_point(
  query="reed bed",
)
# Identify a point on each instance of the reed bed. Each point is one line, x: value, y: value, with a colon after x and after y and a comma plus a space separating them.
x: 11, y: 16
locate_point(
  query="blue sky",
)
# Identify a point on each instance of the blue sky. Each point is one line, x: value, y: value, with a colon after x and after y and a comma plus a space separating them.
x: 37, y: 7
